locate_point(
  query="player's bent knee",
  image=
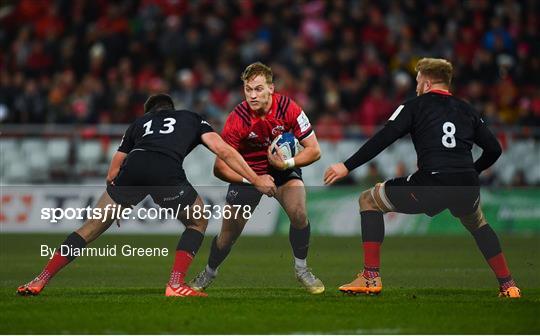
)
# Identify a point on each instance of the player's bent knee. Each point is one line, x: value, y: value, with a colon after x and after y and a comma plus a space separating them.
x: 363, y: 200
x: 225, y: 241
x: 190, y: 220
x: 231, y: 229
x: 93, y: 228
x: 298, y: 219
x: 367, y: 202
x: 473, y: 221
x: 197, y: 224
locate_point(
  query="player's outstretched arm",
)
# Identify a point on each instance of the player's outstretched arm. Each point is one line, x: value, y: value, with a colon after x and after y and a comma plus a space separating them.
x: 334, y: 173
x: 225, y: 173
x: 236, y: 162
x: 114, y: 168
x: 376, y: 144
x: 382, y: 139
x: 310, y: 154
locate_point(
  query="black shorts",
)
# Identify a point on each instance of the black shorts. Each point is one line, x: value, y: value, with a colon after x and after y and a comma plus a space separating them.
x: 150, y: 173
x: 247, y: 194
x: 431, y: 193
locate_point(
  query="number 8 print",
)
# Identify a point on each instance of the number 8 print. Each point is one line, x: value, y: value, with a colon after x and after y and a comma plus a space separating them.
x: 448, y: 139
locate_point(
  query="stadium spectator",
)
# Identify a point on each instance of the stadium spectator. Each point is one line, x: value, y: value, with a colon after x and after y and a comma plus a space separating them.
x: 30, y: 104
x: 519, y: 179
x: 374, y: 110
x: 401, y: 169
x: 360, y: 46
x: 373, y: 175
x: 488, y: 178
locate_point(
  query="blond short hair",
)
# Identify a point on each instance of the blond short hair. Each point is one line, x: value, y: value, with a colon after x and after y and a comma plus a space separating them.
x: 437, y: 69
x: 255, y: 69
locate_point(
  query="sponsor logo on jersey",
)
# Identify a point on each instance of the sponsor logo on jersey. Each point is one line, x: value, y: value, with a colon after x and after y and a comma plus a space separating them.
x: 278, y: 130
x: 205, y: 122
x: 171, y: 198
x: 303, y: 122
x: 232, y: 195
x: 253, y: 140
x: 180, y: 194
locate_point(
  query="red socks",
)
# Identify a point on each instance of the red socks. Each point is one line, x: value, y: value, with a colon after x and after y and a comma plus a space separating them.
x: 489, y: 245
x: 372, y: 255
x: 372, y: 237
x: 53, y: 266
x: 187, y: 247
x: 372, y: 259
x: 499, y: 266
x: 58, y: 261
x: 182, y: 261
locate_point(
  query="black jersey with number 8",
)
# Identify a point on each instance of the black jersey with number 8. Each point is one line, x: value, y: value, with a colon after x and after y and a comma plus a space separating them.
x: 443, y: 129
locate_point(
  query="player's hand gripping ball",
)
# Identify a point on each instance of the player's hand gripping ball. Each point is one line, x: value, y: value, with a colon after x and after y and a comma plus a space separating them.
x: 287, y: 144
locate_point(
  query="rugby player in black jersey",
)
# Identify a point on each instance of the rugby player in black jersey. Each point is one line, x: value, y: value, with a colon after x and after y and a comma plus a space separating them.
x: 149, y: 162
x: 443, y: 129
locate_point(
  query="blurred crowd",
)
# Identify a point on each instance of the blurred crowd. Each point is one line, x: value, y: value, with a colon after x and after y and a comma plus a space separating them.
x: 347, y: 63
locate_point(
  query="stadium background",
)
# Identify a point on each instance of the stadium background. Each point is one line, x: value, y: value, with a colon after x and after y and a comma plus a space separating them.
x: 74, y: 73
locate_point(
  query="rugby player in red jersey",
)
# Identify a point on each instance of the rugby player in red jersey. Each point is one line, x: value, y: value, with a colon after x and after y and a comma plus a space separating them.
x: 250, y: 129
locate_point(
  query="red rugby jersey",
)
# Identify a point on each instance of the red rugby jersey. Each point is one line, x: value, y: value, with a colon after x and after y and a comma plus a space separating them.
x: 251, y: 135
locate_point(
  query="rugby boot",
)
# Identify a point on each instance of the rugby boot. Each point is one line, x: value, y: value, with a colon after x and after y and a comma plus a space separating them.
x: 363, y: 285
x: 202, y: 280
x: 34, y: 287
x: 510, y: 292
x: 182, y: 290
x: 310, y: 282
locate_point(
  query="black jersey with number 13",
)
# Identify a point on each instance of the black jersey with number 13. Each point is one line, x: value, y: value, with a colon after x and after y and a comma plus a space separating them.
x: 172, y: 132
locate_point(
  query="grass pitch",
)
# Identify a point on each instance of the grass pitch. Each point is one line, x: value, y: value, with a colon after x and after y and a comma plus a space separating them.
x: 431, y: 285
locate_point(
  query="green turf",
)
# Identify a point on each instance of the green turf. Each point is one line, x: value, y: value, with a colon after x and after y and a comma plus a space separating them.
x: 432, y: 285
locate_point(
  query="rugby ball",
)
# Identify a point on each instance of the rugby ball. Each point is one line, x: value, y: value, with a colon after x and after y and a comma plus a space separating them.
x: 288, y: 145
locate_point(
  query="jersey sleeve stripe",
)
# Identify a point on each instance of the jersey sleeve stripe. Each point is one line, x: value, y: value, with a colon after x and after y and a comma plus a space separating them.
x: 245, y: 112
x: 280, y: 101
x: 287, y: 103
x: 244, y: 108
x: 280, y: 107
x: 238, y: 109
x: 308, y: 133
x: 242, y: 115
x: 281, y: 111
